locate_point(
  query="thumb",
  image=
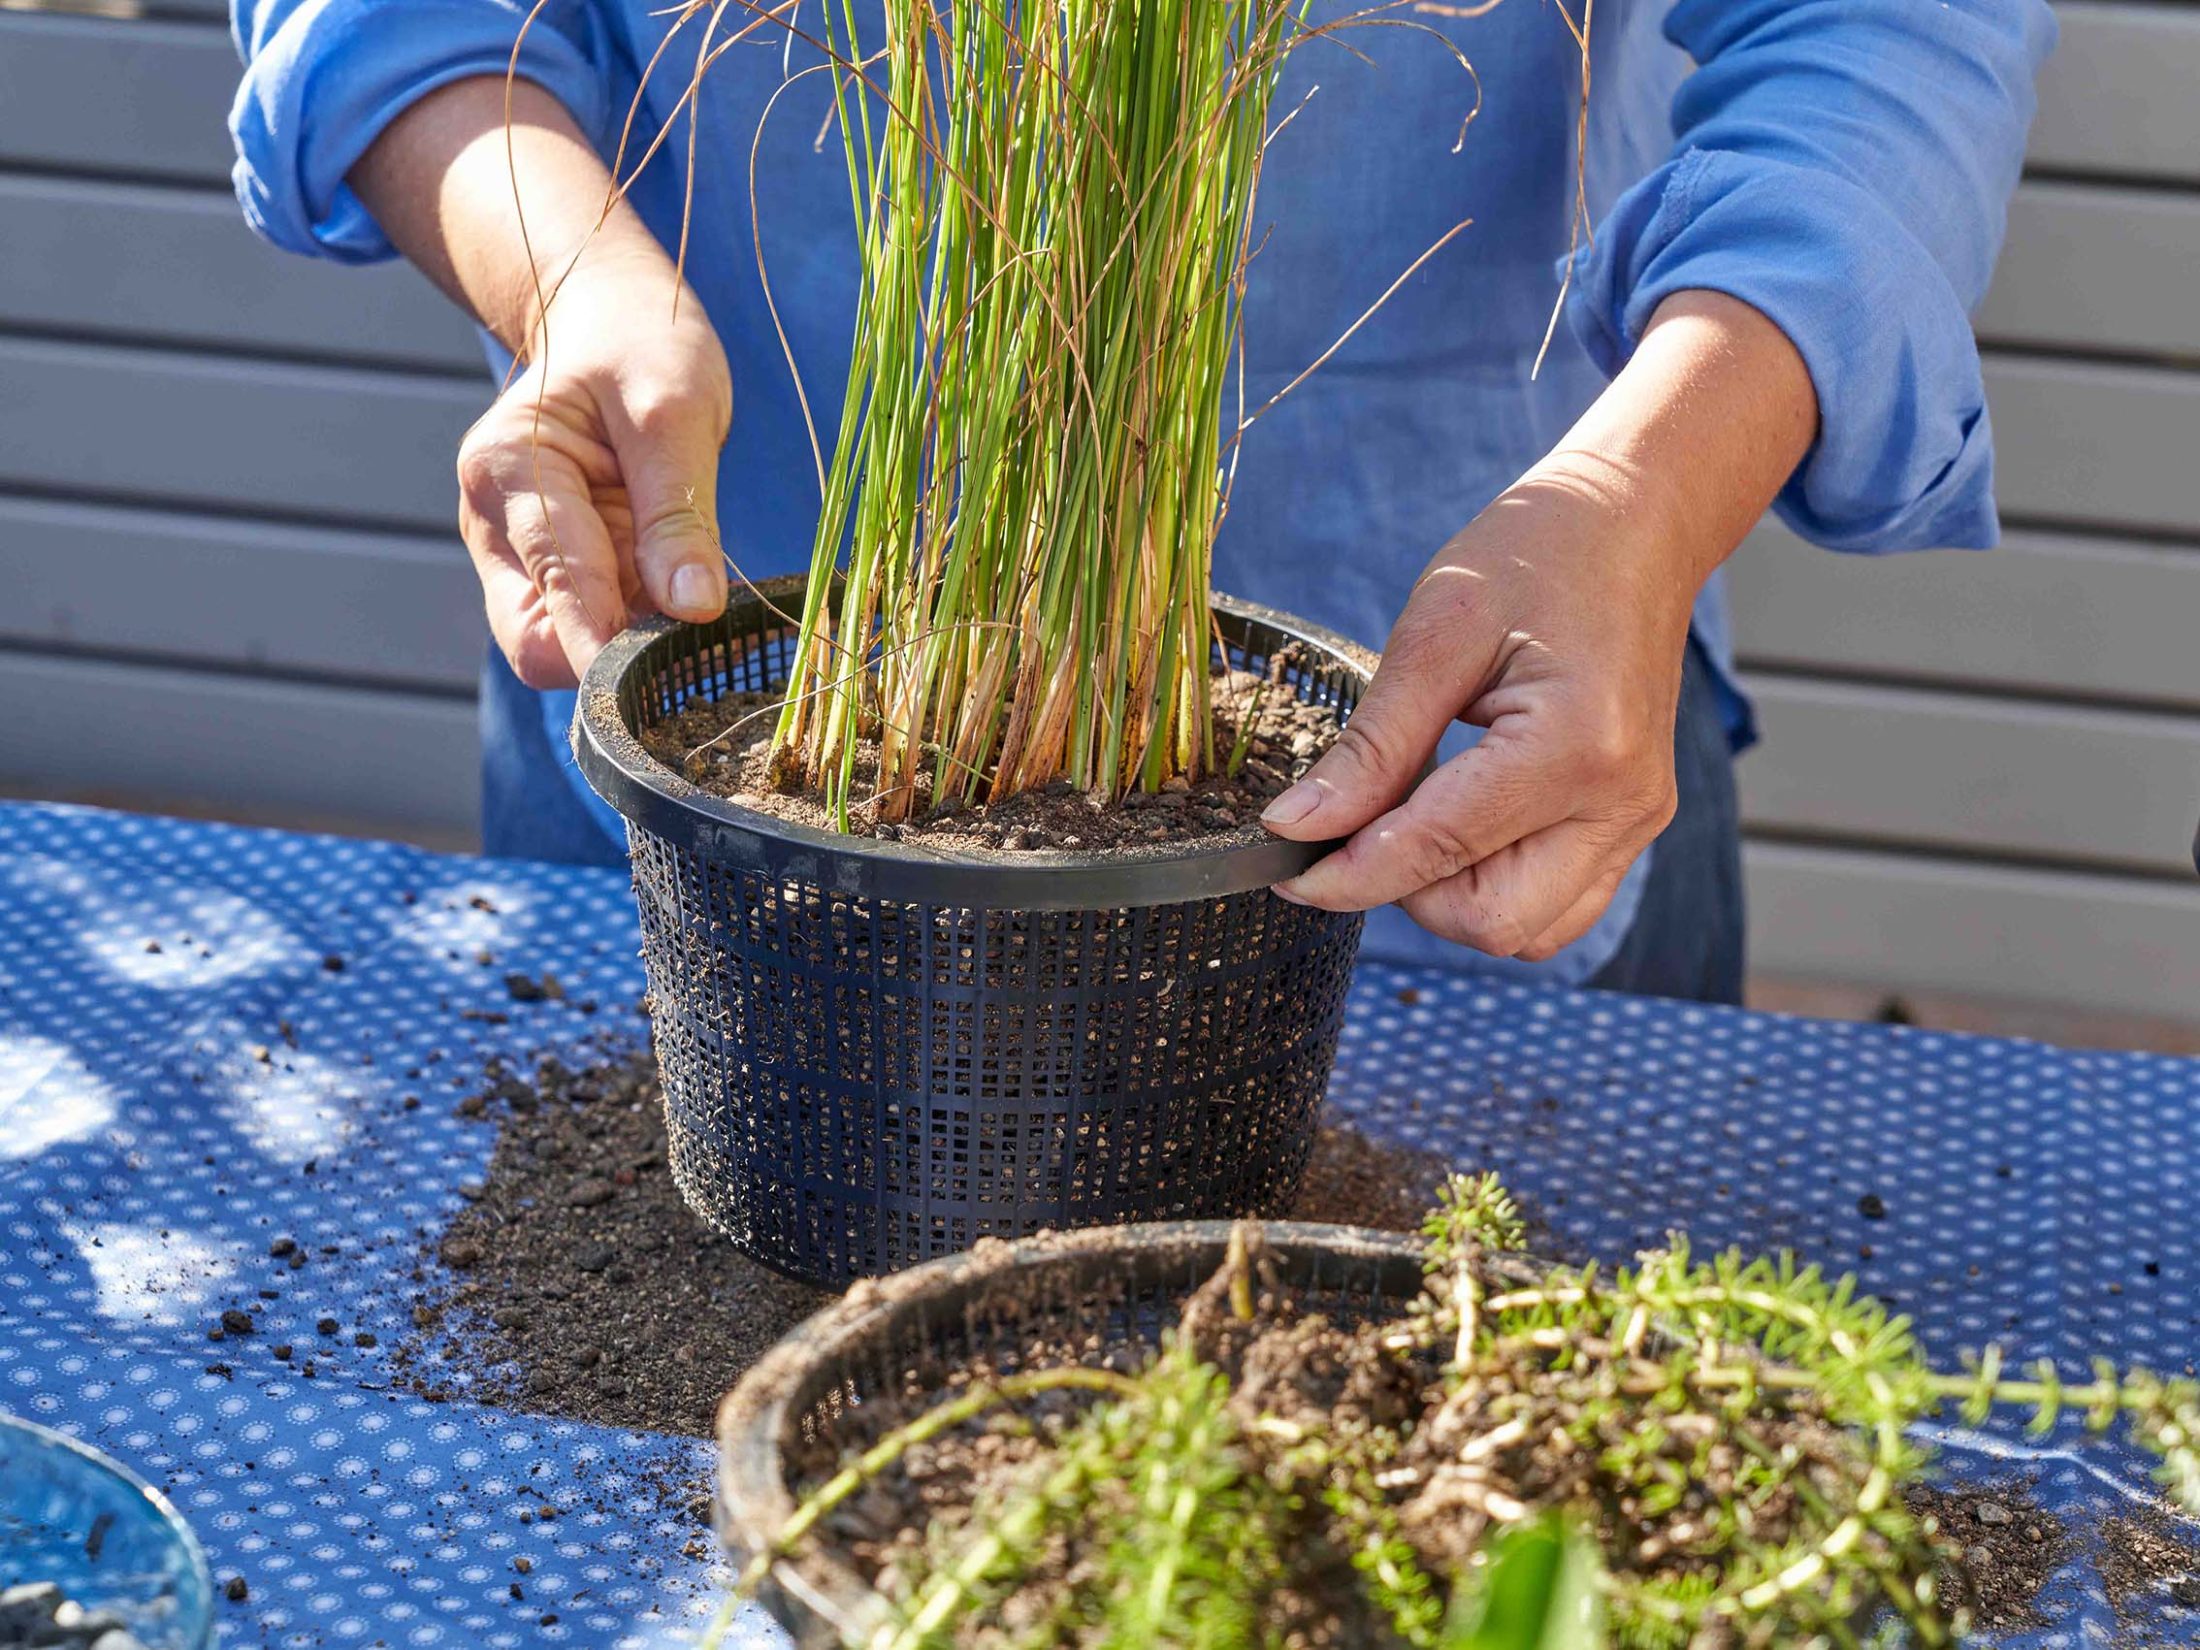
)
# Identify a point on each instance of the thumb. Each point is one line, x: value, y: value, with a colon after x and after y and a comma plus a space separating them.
x: 669, y: 462
x: 1379, y: 754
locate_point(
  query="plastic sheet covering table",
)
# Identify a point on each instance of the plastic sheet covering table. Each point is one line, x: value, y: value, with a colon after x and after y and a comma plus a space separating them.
x: 206, y: 1040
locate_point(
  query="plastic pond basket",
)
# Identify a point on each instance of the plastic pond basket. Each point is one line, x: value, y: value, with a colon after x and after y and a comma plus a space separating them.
x: 808, y: 1405
x: 875, y: 1053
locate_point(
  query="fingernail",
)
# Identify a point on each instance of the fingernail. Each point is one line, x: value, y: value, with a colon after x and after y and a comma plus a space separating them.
x: 695, y: 588
x: 1294, y: 805
x: 1282, y: 891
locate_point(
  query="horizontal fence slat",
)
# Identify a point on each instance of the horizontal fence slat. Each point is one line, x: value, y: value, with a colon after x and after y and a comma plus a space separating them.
x: 147, y: 99
x: 328, y: 442
x: 2117, y: 96
x: 2093, y: 267
x: 1915, y: 923
x: 2094, y: 443
x: 2048, y: 614
x: 77, y: 726
x: 165, y: 265
x: 1900, y: 766
x: 240, y: 594
x: 144, y: 96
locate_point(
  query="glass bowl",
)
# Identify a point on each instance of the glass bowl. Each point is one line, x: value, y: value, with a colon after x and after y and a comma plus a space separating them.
x: 105, y: 1537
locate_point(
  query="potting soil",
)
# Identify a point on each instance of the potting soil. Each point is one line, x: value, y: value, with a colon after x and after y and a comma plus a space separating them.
x: 575, y: 1282
x: 724, y: 746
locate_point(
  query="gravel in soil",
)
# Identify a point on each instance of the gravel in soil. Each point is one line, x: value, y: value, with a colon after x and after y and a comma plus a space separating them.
x: 2000, y: 1548
x: 724, y: 746
x: 39, y: 1614
x: 585, y: 1287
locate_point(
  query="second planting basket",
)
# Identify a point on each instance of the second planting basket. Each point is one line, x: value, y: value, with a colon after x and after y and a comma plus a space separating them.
x: 874, y: 1053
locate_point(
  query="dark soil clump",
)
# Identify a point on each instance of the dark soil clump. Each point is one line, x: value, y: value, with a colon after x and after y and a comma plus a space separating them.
x: 2000, y: 1549
x: 586, y: 1288
x: 724, y: 747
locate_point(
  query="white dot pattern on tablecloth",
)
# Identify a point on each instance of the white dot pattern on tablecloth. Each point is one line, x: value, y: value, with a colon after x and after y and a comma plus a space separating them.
x: 165, y: 1113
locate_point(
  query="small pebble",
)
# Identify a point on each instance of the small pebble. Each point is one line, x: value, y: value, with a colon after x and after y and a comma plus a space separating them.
x: 2186, y: 1591
x: 328, y: 1326
x: 283, y: 1248
x: 237, y: 1323
x: 593, y: 1257
x: 461, y: 1253
x: 364, y: 1337
x: 1872, y: 1206
x: 235, y: 1590
x: 589, y: 1192
x: 1990, y: 1512
x: 333, y: 964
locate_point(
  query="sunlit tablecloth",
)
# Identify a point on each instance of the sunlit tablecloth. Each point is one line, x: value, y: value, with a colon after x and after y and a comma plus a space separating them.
x: 207, y: 1038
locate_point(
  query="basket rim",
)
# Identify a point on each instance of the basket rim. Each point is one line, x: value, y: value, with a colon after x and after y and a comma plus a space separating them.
x: 654, y: 798
x: 753, y: 1503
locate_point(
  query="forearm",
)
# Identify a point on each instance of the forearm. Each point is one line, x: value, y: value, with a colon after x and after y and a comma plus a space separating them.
x: 440, y: 181
x: 1697, y: 434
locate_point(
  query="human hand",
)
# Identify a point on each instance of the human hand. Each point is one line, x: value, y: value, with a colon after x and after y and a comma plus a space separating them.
x: 1557, y: 622
x: 588, y: 489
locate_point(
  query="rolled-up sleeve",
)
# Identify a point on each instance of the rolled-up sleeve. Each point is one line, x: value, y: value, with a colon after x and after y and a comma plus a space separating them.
x: 324, y: 77
x: 1844, y: 166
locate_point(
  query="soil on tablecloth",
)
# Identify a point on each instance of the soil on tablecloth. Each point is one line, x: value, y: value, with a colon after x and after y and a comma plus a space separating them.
x: 2149, y: 1560
x: 724, y: 746
x: 586, y: 1288
x: 2001, y: 1548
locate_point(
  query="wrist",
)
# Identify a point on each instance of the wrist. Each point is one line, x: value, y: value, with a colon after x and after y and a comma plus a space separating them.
x: 1697, y: 435
x: 615, y: 268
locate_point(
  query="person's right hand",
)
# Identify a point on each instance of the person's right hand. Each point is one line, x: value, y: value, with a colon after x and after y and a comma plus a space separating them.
x: 588, y: 491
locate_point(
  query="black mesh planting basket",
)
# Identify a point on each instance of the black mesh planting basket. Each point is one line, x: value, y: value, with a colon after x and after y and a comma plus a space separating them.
x: 874, y: 1052
x: 811, y: 1403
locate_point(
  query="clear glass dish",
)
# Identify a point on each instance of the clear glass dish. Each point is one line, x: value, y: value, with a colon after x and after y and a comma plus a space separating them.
x: 105, y: 1537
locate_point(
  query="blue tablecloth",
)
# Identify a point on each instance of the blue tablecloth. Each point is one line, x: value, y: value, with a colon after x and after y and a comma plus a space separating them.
x: 206, y: 1040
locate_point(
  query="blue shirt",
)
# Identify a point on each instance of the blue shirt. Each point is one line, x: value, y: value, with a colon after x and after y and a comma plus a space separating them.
x: 1842, y: 165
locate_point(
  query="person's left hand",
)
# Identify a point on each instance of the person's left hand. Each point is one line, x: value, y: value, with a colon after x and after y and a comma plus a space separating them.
x: 1557, y: 622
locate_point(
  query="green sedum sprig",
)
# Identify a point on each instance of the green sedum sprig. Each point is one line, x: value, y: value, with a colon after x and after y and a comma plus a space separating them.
x: 1666, y: 1456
